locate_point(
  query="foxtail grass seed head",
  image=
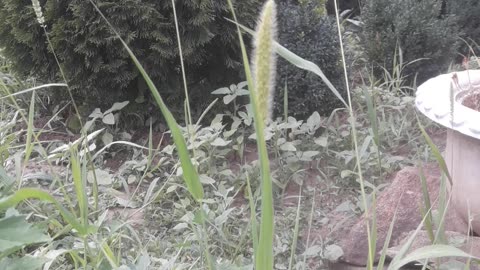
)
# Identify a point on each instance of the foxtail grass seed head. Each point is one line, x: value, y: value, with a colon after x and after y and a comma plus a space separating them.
x: 264, y: 60
x: 38, y: 12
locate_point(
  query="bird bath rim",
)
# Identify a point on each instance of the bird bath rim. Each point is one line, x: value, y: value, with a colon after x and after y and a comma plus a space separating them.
x: 433, y: 99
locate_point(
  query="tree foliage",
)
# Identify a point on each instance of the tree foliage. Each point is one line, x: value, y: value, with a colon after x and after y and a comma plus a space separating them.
x: 467, y: 14
x: 96, y: 65
x: 418, y: 27
x: 303, y: 31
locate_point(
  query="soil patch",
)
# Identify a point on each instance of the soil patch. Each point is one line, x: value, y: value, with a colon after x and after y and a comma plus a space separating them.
x: 472, y: 100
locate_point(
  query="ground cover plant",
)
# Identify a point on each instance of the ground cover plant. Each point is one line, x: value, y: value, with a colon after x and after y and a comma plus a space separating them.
x: 243, y: 190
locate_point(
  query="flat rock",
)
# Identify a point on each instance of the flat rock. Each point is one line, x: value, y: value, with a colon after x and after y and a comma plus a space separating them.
x: 403, y: 196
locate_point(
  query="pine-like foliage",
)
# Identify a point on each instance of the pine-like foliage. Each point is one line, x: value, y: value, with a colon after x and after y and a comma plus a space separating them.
x: 96, y: 65
x: 418, y: 27
x: 313, y: 37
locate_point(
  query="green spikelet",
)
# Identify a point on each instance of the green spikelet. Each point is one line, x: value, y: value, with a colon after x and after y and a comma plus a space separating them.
x: 264, y: 60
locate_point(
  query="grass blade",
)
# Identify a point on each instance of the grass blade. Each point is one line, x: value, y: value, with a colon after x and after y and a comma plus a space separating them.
x: 80, y: 186
x: 253, y: 216
x: 299, y: 62
x: 34, y: 88
x: 28, y: 142
x: 432, y: 251
x: 285, y: 102
x: 426, y: 204
x: 436, y: 153
x: 264, y: 70
x: 32, y: 193
x: 190, y: 174
x: 264, y: 45
x: 295, y: 230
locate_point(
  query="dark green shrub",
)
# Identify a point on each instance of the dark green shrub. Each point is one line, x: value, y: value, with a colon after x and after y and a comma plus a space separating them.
x: 314, y: 38
x: 467, y: 14
x: 420, y: 30
x: 97, y: 66
x: 352, y: 5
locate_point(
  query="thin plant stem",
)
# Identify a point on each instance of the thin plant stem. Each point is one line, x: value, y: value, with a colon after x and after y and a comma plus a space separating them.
x: 354, y: 136
x: 184, y: 77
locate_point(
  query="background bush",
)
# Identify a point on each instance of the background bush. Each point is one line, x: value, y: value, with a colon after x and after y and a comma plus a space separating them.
x: 303, y: 31
x: 418, y: 27
x: 96, y: 65
x: 352, y: 5
x: 467, y: 14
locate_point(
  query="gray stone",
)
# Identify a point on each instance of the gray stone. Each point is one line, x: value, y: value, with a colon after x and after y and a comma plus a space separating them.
x: 403, y: 196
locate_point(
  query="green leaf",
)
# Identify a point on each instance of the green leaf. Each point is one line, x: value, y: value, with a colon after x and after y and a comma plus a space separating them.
x: 117, y: 106
x: 103, y: 177
x: 322, y: 141
x: 108, y: 119
x: 314, y: 121
x: 107, y: 138
x: 97, y: 113
x: 288, y: 146
x: 27, y: 262
x: 16, y: 232
x: 222, y: 91
x: 228, y: 98
x: 220, y: 142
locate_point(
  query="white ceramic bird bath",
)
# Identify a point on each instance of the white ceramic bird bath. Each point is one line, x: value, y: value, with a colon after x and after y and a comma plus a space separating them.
x: 433, y: 99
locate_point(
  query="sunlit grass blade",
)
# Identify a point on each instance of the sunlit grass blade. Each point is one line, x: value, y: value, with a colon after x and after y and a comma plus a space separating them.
x: 285, y: 102
x: 408, y: 243
x: 372, y: 116
x: 372, y: 234
x: 253, y: 216
x: 28, y: 141
x: 188, y: 114
x: 443, y: 202
x: 295, y: 230
x: 383, y: 254
x: 190, y: 174
x: 204, y: 113
x: 432, y: 251
x: 79, y: 183
x: 371, y: 229
x: 108, y: 253
x: 436, y: 153
x: 264, y: 46
x: 264, y: 76
x: 33, y: 89
x: 426, y: 204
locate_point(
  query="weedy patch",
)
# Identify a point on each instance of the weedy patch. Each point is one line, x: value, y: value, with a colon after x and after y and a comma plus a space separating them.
x: 242, y: 191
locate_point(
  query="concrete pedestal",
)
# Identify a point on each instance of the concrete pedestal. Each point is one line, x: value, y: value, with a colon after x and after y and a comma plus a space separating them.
x: 463, y: 162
